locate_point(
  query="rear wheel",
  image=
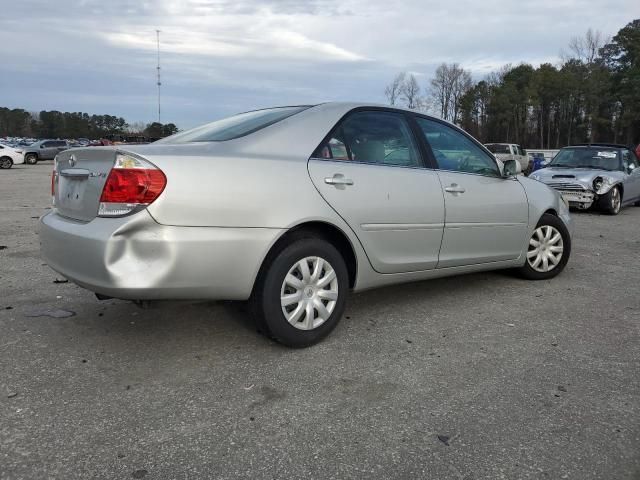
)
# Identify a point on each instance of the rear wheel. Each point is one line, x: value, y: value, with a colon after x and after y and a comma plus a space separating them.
x: 31, y: 159
x: 300, y: 296
x: 612, y: 201
x: 6, y: 162
x: 548, y: 250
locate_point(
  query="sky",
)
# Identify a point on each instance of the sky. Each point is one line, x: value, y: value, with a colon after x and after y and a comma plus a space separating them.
x: 221, y: 57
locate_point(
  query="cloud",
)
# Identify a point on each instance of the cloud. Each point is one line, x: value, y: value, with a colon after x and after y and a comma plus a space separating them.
x: 224, y: 56
x: 273, y: 43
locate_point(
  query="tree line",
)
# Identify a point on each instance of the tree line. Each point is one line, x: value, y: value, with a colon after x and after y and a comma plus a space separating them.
x: 54, y: 124
x: 592, y: 95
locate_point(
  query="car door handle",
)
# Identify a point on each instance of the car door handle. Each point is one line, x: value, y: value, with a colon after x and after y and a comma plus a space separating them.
x: 338, y: 179
x: 454, y: 188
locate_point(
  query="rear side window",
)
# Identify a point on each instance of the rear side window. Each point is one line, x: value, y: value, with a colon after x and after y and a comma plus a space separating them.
x: 496, y: 148
x: 234, y: 127
x: 381, y: 138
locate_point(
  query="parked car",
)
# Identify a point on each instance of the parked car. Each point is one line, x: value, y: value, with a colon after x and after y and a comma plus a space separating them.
x: 293, y: 207
x: 538, y: 161
x: 511, y: 151
x: 603, y: 175
x: 10, y: 156
x: 44, y: 150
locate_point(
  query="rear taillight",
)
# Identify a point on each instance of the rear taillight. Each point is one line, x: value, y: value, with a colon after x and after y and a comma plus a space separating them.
x: 132, y: 183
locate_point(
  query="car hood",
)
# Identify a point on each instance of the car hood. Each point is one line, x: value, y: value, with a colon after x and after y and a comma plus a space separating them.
x: 572, y: 175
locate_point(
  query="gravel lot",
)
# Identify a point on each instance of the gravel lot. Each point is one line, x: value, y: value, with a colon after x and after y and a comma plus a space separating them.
x: 481, y: 376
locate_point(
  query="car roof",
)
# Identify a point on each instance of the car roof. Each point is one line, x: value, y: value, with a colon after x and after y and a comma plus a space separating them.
x: 597, y: 145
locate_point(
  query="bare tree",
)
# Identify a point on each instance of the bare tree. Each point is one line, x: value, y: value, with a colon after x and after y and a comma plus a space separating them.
x: 136, y: 127
x: 449, y: 84
x: 393, y: 91
x: 411, y: 92
x: 587, y: 48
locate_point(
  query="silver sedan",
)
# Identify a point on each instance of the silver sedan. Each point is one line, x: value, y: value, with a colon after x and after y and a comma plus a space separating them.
x: 292, y: 208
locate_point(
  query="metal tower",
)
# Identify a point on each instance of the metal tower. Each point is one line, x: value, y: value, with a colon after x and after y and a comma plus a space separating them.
x: 158, y: 68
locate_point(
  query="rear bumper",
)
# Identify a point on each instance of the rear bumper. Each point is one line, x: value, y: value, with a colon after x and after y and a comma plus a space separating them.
x: 138, y: 259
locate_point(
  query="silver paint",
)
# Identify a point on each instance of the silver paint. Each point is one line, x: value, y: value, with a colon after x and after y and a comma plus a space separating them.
x: 226, y: 204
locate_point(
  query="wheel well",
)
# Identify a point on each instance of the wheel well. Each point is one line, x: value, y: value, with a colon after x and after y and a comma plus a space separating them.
x: 328, y: 232
x: 551, y: 211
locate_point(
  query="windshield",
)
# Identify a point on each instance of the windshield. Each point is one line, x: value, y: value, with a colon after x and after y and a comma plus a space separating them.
x: 592, y: 157
x: 234, y: 127
x: 497, y: 148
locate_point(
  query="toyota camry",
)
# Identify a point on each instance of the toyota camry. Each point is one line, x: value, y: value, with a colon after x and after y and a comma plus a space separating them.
x: 293, y: 208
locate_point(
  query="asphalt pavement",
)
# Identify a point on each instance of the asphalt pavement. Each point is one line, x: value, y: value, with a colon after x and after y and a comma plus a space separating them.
x: 483, y: 376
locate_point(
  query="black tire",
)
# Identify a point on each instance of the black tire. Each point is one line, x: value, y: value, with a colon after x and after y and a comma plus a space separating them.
x: 527, y: 271
x: 6, y: 162
x: 31, y: 158
x: 265, y: 301
x: 611, y: 203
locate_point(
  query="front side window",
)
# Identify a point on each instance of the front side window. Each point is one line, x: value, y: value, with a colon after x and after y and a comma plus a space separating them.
x: 234, y: 127
x: 381, y: 138
x: 629, y: 161
x: 455, y: 151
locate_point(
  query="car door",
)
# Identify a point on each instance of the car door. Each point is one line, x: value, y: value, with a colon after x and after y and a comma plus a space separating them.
x: 370, y: 170
x: 48, y: 150
x: 487, y: 215
x: 522, y: 158
x: 632, y: 182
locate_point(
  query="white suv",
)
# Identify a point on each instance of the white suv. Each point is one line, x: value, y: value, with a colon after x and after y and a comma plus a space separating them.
x: 10, y: 156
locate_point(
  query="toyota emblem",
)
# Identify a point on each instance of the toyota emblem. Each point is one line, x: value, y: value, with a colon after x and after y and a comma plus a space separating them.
x: 72, y: 160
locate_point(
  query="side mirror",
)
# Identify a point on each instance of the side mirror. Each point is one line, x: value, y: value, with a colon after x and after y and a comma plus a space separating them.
x: 41, y: 146
x: 510, y: 169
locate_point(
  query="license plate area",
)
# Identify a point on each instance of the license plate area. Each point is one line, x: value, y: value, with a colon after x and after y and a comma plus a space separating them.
x: 577, y: 197
x: 71, y: 192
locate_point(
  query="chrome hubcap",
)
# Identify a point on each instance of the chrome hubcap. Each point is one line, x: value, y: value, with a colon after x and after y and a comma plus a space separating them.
x: 615, y: 199
x: 309, y: 293
x: 545, y: 249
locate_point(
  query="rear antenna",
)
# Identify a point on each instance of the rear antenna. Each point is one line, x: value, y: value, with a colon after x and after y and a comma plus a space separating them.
x: 158, y: 68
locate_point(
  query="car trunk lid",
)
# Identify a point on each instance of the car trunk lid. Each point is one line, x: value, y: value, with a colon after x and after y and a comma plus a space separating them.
x: 79, y: 178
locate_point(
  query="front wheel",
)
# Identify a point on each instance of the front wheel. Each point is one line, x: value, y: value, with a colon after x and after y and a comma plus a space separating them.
x: 300, y: 297
x: 612, y: 201
x: 548, y: 250
x: 31, y: 159
x: 6, y: 162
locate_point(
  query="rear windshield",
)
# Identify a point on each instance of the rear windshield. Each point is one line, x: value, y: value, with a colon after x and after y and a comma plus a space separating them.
x: 234, y: 127
x: 497, y: 148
